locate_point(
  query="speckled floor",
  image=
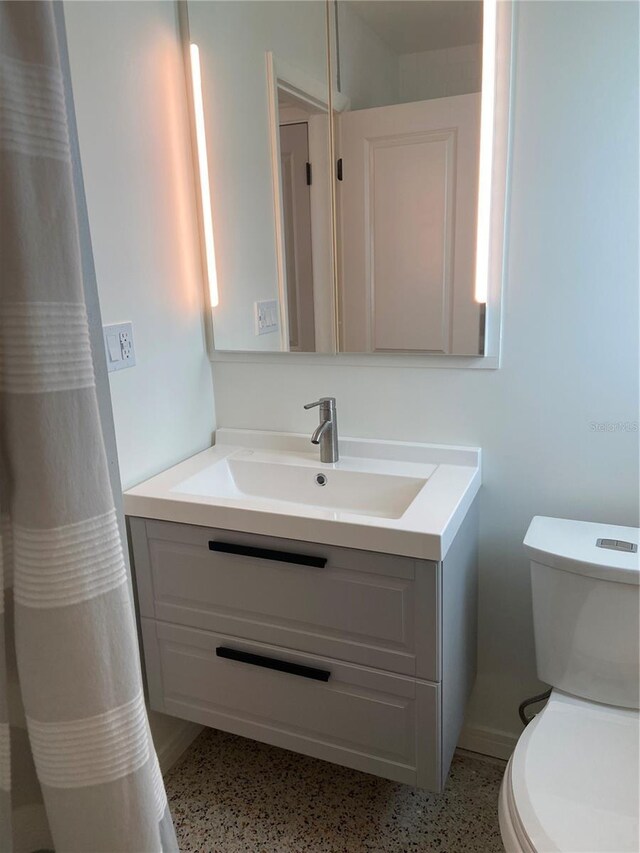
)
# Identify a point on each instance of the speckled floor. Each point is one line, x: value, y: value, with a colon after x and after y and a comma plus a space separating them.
x: 232, y: 795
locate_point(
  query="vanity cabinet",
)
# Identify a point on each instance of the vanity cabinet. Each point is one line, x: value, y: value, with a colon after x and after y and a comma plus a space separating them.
x: 360, y: 658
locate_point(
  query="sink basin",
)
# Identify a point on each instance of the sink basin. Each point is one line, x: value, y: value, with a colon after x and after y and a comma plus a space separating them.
x: 394, y: 497
x: 251, y: 475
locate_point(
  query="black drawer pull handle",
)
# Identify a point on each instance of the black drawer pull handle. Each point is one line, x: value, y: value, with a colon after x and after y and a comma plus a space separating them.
x: 274, y: 663
x: 268, y: 554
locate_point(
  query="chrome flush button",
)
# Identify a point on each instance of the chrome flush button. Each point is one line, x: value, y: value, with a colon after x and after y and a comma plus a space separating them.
x: 617, y: 545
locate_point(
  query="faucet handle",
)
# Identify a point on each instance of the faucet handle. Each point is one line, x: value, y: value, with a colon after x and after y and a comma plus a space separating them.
x: 330, y: 401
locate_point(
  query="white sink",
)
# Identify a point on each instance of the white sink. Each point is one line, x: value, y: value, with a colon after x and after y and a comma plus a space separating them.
x: 275, y: 477
x: 394, y: 497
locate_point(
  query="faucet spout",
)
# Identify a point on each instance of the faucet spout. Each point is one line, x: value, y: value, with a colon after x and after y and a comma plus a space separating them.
x: 319, y: 431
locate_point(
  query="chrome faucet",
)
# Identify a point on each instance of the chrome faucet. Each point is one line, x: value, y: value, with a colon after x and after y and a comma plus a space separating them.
x: 326, y: 433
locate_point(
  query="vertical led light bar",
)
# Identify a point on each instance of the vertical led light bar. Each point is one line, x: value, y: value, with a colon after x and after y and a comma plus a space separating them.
x: 487, y: 122
x: 203, y: 169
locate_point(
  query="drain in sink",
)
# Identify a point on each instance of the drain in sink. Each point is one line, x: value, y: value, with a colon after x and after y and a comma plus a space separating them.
x: 321, y: 480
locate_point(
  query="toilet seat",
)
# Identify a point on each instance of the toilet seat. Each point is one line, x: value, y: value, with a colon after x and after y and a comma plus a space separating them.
x: 572, y: 781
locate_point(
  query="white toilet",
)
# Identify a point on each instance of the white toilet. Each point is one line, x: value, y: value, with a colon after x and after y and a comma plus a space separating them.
x: 572, y: 781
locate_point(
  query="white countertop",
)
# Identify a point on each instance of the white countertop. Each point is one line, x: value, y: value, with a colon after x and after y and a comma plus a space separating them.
x: 204, y: 491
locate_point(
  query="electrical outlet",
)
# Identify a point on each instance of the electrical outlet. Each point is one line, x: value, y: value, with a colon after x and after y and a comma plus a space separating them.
x: 126, y: 347
x: 118, y: 344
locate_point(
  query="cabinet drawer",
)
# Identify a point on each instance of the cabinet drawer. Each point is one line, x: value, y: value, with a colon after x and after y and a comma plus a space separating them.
x: 351, y: 605
x: 372, y: 721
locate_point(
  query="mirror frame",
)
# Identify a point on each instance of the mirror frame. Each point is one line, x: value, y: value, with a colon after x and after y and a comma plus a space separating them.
x: 496, y: 191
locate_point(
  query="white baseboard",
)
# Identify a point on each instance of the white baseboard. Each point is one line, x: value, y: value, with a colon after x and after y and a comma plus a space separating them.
x: 480, y: 739
x: 488, y: 741
x: 177, y: 743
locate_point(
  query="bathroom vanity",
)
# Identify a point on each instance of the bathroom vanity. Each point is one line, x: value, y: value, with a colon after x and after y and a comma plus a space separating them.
x: 328, y: 609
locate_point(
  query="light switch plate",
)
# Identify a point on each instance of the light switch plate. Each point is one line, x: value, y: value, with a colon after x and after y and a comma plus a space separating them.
x: 266, y: 316
x: 118, y: 345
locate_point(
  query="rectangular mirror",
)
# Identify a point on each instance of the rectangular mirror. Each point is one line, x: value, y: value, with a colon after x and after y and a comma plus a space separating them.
x: 352, y: 163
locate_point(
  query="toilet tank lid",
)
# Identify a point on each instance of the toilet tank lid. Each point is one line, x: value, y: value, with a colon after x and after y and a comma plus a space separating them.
x: 571, y: 546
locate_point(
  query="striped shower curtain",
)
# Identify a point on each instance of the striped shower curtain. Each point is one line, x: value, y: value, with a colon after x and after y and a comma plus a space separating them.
x: 78, y: 771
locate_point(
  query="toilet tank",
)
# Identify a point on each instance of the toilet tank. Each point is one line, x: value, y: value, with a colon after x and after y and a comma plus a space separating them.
x: 585, y: 581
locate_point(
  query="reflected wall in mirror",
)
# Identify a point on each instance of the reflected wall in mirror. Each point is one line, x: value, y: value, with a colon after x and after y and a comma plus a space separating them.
x: 408, y: 144
x: 265, y: 91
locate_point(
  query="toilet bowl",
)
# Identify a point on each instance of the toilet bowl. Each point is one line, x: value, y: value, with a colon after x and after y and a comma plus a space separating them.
x: 572, y: 783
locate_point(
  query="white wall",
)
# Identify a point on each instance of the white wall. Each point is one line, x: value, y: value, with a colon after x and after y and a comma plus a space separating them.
x: 372, y: 74
x: 369, y: 74
x: 570, y: 354
x: 129, y: 90
x: 440, y: 73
